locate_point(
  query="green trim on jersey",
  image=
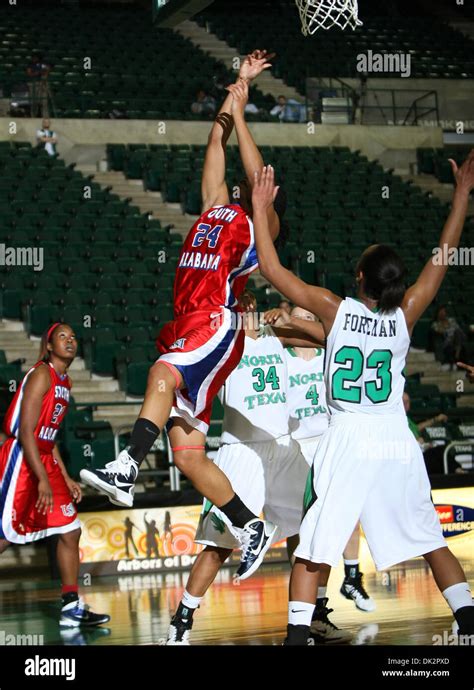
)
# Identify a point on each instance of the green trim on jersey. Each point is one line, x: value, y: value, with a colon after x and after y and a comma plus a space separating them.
x: 318, y: 351
x: 413, y: 427
x: 309, y: 492
x: 374, y: 310
x: 207, y: 508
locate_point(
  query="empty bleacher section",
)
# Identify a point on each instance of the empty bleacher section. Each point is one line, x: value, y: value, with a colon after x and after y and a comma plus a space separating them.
x: 435, y: 161
x: 333, y: 53
x: 93, y: 76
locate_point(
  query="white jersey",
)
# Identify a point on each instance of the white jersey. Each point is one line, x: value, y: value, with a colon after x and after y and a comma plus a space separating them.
x: 306, y: 394
x: 254, y: 396
x: 365, y: 358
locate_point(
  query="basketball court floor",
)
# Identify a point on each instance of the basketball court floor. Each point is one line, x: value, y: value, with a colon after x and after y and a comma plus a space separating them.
x: 410, y: 610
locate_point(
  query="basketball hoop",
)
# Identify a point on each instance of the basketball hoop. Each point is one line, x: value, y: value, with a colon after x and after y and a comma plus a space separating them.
x: 323, y: 14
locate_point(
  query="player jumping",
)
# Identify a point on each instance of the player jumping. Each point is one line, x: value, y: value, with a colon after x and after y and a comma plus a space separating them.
x: 204, y: 343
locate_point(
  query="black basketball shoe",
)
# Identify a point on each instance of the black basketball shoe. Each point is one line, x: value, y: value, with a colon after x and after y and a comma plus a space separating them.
x: 178, y: 632
x: 116, y: 480
x: 256, y: 538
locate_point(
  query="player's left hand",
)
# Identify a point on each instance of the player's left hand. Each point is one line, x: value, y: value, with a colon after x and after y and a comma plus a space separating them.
x: 74, y: 489
x: 255, y: 63
x: 264, y: 190
x: 277, y: 317
x: 240, y: 92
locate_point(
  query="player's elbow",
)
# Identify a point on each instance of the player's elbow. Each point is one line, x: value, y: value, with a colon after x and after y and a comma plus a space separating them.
x: 269, y: 268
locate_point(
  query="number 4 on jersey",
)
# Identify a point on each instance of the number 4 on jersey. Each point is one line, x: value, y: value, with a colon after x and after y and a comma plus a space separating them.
x: 312, y: 395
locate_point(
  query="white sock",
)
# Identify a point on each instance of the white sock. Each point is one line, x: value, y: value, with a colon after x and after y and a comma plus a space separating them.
x: 458, y: 596
x: 300, y: 613
x: 189, y: 601
x: 351, y: 561
x: 322, y: 592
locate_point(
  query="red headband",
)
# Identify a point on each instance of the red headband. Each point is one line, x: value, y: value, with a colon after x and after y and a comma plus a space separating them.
x: 51, y: 329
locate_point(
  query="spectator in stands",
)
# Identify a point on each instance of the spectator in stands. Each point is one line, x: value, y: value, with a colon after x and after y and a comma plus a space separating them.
x: 432, y: 453
x: 289, y: 110
x: 448, y: 338
x: 46, y: 138
x: 37, y: 72
x: 469, y: 370
x: 204, y: 104
x: 285, y: 305
x: 38, y: 67
x: 278, y: 110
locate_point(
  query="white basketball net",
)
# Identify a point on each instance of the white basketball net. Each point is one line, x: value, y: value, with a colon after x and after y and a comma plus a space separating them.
x: 323, y: 14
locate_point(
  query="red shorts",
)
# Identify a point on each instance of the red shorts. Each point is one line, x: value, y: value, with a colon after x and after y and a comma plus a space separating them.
x: 20, y: 522
x: 205, y: 347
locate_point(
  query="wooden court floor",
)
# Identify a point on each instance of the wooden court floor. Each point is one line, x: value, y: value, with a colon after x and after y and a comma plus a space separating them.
x: 410, y: 610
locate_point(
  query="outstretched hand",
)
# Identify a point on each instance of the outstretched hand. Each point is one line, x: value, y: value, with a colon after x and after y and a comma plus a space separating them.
x: 277, y: 317
x: 255, y: 63
x: 464, y: 175
x: 264, y: 189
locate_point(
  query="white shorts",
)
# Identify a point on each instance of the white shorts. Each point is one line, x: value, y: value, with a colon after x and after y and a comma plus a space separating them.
x: 269, y: 477
x: 370, y: 469
x: 309, y: 446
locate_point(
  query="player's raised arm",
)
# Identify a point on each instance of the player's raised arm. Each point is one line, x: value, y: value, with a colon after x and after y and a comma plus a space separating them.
x: 420, y: 295
x: 317, y: 300
x: 249, y: 153
x: 213, y: 186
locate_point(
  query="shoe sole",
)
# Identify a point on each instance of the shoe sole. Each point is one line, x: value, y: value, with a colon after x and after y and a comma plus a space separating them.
x: 69, y: 624
x: 177, y: 644
x: 320, y: 639
x: 81, y: 624
x: 120, y: 503
x: 115, y: 496
x: 346, y: 595
x: 258, y: 561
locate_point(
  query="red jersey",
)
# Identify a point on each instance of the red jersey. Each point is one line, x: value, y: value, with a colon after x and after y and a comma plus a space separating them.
x: 53, y: 409
x: 216, y: 259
